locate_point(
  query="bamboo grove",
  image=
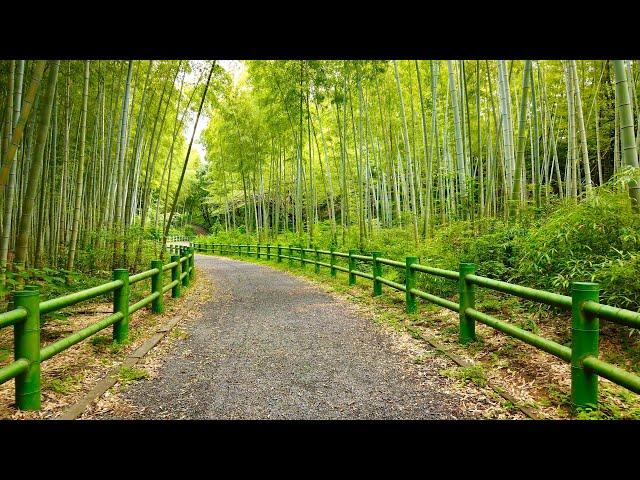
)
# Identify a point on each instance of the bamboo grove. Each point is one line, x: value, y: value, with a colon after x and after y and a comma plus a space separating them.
x: 94, y: 159
x: 363, y: 145
x: 97, y: 164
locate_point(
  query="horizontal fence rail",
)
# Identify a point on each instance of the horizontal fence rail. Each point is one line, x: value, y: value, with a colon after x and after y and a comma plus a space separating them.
x: 25, y: 318
x: 583, y: 304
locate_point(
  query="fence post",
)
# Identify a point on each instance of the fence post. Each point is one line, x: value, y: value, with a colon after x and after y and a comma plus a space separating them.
x: 31, y: 288
x: 584, y: 342
x: 175, y: 275
x: 279, y: 256
x: 185, y: 269
x: 290, y: 255
x: 466, y: 291
x: 377, y: 272
x: 302, y: 254
x: 27, y: 346
x: 352, y: 264
x: 268, y: 251
x: 121, y: 304
x: 317, y: 269
x: 192, y: 264
x: 410, y: 283
x: 332, y: 261
x: 157, y: 306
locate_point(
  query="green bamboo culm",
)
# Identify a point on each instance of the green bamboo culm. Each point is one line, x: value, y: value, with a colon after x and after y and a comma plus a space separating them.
x: 627, y: 136
x: 18, y: 131
x: 185, y: 266
x: 11, y: 117
x: 410, y: 282
x: 522, y: 125
x: 352, y: 267
x: 121, y: 305
x: 377, y: 272
x: 35, y: 171
x: 27, y: 347
x: 157, y: 306
x: 584, y: 343
x: 466, y: 294
x: 175, y: 276
x: 192, y: 265
x: 80, y: 176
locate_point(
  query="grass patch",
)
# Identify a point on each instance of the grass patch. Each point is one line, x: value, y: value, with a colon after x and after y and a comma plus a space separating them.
x: 476, y: 346
x: 450, y: 330
x: 472, y: 373
x: 589, y: 414
x: 391, y: 319
x: 529, y: 324
x: 64, y: 385
x: 421, y: 358
x: 179, y: 333
x: 414, y: 332
x: 509, y: 347
x: 104, y: 343
x: 555, y: 396
x: 100, y: 341
x: 132, y: 374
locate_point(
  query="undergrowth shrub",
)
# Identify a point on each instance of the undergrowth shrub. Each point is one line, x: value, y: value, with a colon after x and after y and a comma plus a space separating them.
x: 596, y: 240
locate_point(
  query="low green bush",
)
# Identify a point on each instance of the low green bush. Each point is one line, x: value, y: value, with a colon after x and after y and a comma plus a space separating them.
x: 596, y: 240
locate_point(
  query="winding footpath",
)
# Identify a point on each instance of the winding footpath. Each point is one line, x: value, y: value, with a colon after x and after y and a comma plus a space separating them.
x: 274, y: 346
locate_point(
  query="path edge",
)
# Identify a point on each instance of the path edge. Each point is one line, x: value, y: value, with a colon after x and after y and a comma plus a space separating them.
x: 78, y: 408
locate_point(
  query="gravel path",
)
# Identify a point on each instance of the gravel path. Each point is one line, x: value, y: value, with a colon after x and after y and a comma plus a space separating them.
x: 273, y: 346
